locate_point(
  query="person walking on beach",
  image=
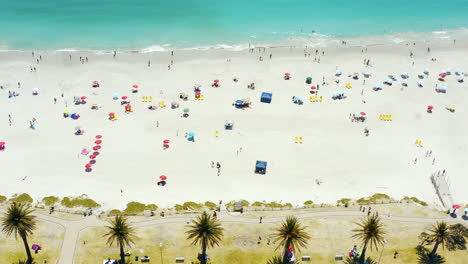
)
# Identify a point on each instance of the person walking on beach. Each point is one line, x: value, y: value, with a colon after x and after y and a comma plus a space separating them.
x: 55, y: 100
x: 261, y: 219
x: 149, y: 63
x: 9, y: 118
x: 19, y: 85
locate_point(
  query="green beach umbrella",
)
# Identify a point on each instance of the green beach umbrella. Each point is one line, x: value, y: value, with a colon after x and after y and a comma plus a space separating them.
x: 186, y: 110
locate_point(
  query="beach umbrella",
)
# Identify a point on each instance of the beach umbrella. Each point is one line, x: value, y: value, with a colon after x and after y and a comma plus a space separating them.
x: 98, y: 142
x: 456, y: 206
x: 309, y: 78
x: 363, y: 113
x: 96, y: 148
x: 442, y: 75
x: 216, y: 81
x: 404, y: 75
x: 166, y: 141
x: 35, y: 247
x: 92, y: 156
x: 135, y: 86
x: 394, y: 76
x: 35, y: 89
x: 313, y: 87
x: 124, y: 97
x: 84, y: 151
x: 287, y: 74
x: 426, y: 71
x: 95, y: 82
x: 197, y: 85
x: 405, y: 82
x: 115, y: 96
x: 466, y: 209
x: 89, y: 165
x: 461, y: 77
x: 186, y: 110
x: 430, y: 107
x: 357, y: 114
x: 111, y: 114
x: 163, y: 177
x: 99, y: 136
x: 239, y: 102
x: 191, y: 134
x: 337, y: 72
x: 388, y: 80
x: 83, y: 97
x: 421, y: 83
x: 421, y: 75
x: 457, y: 71
x: 66, y: 112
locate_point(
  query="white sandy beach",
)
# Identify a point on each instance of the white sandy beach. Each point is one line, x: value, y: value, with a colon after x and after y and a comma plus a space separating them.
x: 334, y: 149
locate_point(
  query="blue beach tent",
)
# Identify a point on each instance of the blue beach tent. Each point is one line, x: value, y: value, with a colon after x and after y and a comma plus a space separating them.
x: 266, y: 97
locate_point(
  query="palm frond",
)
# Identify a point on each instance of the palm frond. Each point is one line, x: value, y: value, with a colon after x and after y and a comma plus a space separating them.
x: 120, y: 231
x: 291, y: 231
x: 18, y: 219
x: 370, y: 231
x: 205, y: 229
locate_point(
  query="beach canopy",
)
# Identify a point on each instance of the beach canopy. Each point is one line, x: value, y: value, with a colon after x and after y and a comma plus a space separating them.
x: 266, y: 97
x: 421, y: 74
x: 456, y: 206
x: 191, y: 134
x: 163, y: 177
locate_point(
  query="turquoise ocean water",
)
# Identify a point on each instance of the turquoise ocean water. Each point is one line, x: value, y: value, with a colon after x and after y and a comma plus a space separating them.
x: 139, y: 24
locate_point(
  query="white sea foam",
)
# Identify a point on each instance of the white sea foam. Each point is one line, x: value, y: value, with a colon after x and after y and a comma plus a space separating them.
x: 154, y: 48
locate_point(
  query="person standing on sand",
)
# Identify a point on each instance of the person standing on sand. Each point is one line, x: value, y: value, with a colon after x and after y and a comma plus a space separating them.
x: 9, y: 118
x: 261, y: 219
x: 55, y: 100
x: 149, y: 63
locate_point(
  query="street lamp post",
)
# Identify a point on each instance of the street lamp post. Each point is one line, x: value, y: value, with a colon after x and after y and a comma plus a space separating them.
x: 381, y: 252
x: 161, y: 247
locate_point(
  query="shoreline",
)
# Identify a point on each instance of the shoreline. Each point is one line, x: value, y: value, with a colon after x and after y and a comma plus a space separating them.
x: 315, y: 41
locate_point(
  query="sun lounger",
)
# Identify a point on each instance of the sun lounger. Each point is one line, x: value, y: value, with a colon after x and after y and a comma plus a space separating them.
x: 162, y: 104
x: 321, y: 98
x: 180, y: 260
x: 300, y: 140
x: 297, y: 139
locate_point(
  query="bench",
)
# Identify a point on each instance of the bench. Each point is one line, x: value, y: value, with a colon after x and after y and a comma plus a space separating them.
x: 305, y: 258
x: 180, y: 260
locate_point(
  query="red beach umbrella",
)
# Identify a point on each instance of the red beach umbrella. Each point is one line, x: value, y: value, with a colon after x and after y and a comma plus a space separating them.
x: 98, y: 141
x: 124, y: 97
x: 167, y: 141
x: 135, y: 86
x: 163, y: 177
x: 96, y: 147
x: 111, y: 114
x: 92, y: 156
x: 363, y: 113
x: 98, y: 136
x: 456, y: 206
x: 216, y: 81
x: 442, y: 75
x: 313, y: 87
x: 287, y: 74
x: 89, y: 165
x: 430, y: 107
x: 83, y: 97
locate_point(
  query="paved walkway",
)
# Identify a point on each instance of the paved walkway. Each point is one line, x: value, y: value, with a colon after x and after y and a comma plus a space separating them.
x: 74, y: 227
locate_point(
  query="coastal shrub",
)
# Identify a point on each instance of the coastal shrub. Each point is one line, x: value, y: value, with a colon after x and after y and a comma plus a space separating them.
x: 343, y: 201
x: 152, y: 207
x: 2, y: 198
x: 50, y: 200
x: 210, y: 205
x: 21, y: 198
x: 81, y: 200
x: 380, y: 196
x: 134, y: 208
x: 245, y: 203
x: 179, y: 207
x: 308, y: 203
x: 192, y: 206
x: 114, y: 212
x: 414, y: 199
x: 257, y: 203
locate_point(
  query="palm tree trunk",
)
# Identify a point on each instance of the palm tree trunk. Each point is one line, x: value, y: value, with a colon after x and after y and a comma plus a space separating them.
x: 362, y: 258
x: 203, y: 260
x: 26, y: 246
x: 285, y: 253
x: 434, y: 250
x: 122, y: 254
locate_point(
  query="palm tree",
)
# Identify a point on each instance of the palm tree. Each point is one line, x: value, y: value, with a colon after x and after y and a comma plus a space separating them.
x: 453, y: 237
x: 18, y: 220
x: 370, y: 231
x: 440, y: 235
x: 290, y: 233
x: 350, y: 260
x: 122, y: 233
x: 205, y: 231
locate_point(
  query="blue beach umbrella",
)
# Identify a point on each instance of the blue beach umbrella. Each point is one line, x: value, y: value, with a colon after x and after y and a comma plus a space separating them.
x: 426, y: 71
x: 366, y: 74
x: 405, y: 75
x: 239, y: 102
x: 405, y: 82
x: 421, y: 83
x: 337, y: 72
x: 379, y: 85
x: 191, y: 134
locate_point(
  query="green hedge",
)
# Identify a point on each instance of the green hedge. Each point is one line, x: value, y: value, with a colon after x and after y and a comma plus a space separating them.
x: 21, y: 198
x: 2, y: 198
x: 134, y: 208
x: 50, y: 200
x: 81, y: 200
